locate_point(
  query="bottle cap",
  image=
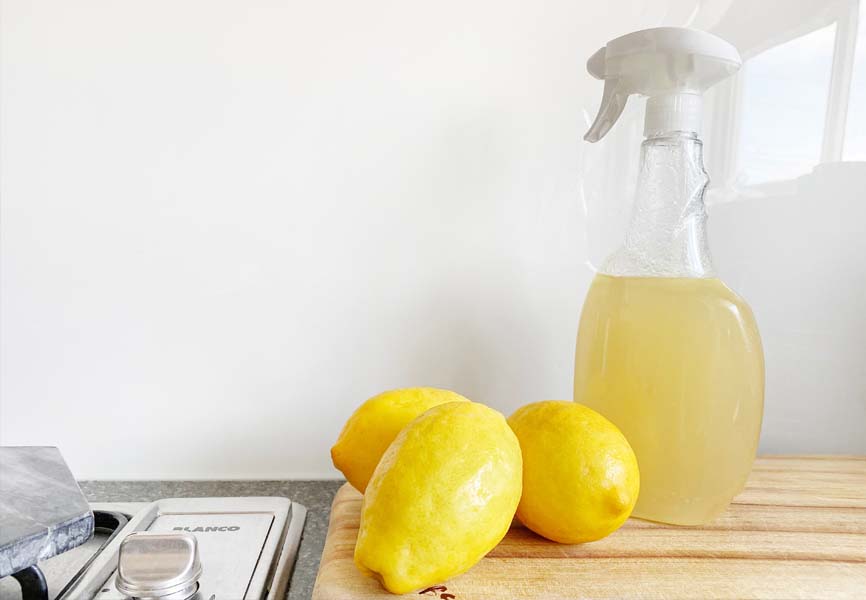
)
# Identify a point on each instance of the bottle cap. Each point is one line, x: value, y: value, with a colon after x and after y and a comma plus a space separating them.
x: 674, y: 66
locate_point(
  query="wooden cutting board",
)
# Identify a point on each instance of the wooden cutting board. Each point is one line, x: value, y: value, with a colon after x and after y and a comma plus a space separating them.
x: 798, y: 530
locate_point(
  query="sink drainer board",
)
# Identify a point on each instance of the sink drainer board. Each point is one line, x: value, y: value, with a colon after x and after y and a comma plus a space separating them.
x: 797, y: 530
x: 247, y: 546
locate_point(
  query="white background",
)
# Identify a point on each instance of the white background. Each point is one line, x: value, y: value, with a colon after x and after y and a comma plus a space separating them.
x: 226, y: 224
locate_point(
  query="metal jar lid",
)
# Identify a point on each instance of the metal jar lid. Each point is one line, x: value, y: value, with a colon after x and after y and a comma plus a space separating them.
x: 164, y: 566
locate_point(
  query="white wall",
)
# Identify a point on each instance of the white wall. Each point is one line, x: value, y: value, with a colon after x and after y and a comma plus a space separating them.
x: 225, y: 224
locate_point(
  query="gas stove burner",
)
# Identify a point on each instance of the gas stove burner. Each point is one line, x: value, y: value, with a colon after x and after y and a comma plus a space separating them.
x: 180, y: 549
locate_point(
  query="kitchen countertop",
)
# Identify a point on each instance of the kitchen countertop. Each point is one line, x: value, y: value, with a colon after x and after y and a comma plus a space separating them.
x: 42, y: 511
x: 315, y: 495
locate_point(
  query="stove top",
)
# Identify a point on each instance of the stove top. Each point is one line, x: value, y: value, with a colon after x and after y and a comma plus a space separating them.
x: 245, y: 548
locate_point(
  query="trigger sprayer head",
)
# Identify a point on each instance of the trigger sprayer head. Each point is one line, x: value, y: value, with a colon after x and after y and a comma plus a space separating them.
x: 673, y: 66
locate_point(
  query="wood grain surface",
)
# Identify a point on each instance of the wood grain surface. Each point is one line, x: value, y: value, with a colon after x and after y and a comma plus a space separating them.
x: 798, y: 530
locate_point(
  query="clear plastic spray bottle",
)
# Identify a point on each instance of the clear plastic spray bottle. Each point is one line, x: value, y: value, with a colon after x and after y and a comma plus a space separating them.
x: 665, y: 350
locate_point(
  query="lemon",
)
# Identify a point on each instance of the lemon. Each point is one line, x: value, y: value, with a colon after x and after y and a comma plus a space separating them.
x: 375, y: 424
x: 580, y: 476
x: 442, y: 497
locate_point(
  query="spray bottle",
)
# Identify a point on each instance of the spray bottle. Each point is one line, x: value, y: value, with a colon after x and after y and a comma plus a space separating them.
x: 664, y: 349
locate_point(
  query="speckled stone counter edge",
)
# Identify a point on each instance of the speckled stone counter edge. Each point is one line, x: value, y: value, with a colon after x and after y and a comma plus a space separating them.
x: 42, y: 510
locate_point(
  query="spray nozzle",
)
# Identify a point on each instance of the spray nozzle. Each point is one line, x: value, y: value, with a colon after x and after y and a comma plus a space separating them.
x: 671, y: 65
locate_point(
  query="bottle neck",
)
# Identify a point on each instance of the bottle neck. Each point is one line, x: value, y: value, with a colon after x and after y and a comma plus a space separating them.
x: 667, y: 234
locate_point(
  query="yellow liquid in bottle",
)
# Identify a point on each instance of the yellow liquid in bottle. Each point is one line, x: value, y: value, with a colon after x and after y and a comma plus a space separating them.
x: 677, y: 365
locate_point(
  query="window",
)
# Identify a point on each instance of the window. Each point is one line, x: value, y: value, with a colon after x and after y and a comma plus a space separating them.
x: 798, y: 103
x: 855, y: 129
x: 784, y: 104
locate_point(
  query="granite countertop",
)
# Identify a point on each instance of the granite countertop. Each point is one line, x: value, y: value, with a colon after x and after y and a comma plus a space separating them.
x: 42, y: 511
x: 315, y: 495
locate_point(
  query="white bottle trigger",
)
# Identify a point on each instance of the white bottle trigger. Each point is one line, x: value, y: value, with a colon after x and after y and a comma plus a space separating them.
x: 673, y: 66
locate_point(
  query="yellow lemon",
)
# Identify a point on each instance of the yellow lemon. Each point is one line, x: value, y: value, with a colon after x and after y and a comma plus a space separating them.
x: 442, y: 497
x: 580, y: 476
x: 372, y: 428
